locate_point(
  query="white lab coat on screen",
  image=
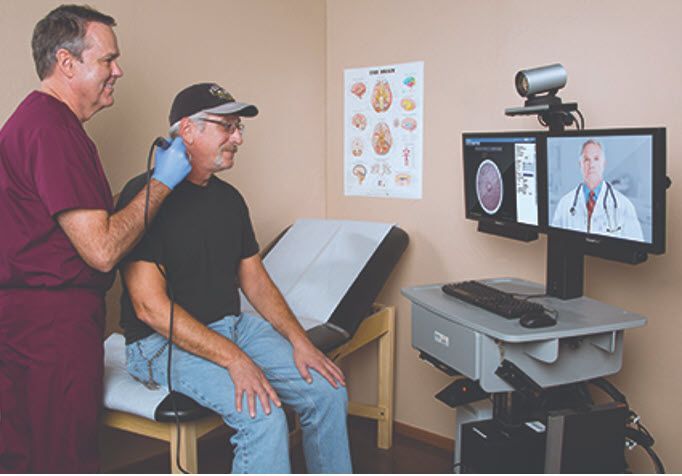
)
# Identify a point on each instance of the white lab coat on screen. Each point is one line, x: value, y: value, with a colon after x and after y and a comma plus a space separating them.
x: 607, y: 219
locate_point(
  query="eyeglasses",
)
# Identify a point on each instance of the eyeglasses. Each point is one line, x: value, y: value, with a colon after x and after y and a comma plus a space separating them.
x: 228, y: 127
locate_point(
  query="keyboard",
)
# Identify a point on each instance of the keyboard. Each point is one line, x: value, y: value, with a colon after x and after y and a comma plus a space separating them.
x: 491, y: 299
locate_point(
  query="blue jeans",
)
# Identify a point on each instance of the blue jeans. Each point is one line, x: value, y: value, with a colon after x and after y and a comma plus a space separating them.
x: 261, y: 443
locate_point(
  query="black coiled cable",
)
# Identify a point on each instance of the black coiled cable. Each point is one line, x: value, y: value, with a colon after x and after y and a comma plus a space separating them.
x: 161, y: 142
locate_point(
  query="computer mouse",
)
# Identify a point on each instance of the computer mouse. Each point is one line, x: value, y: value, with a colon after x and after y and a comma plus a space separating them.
x: 537, y: 319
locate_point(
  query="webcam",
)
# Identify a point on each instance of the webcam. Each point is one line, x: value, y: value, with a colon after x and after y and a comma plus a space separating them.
x: 540, y: 86
x: 545, y: 79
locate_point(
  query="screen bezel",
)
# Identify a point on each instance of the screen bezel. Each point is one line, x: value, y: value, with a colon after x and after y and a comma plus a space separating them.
x: 541, y: 189
x: 593, y: 242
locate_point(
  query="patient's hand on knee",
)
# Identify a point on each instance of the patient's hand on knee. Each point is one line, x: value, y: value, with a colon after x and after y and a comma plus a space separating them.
x: 307, y: 356
x: 249, y: 378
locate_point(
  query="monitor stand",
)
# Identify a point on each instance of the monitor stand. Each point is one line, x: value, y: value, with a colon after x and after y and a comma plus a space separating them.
x: 565, y: 266
x: 566, y: 257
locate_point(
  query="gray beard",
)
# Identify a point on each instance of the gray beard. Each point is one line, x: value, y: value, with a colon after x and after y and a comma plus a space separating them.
x: 218, y: 161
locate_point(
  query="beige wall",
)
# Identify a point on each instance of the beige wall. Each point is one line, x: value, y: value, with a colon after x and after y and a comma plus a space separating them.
x: 624, y: 68
x: 274, y: 53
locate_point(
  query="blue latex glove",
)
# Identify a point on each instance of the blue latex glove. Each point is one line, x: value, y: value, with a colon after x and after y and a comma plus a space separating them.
x: 171, y: 165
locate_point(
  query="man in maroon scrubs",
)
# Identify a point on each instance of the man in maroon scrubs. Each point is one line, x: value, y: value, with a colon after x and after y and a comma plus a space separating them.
x: 59, y: 242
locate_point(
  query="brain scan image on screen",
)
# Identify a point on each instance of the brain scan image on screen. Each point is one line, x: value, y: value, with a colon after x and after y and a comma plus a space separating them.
x: 489, y: 188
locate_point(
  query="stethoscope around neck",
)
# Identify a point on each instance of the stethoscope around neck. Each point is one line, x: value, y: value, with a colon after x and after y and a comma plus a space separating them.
x: 609, y: 190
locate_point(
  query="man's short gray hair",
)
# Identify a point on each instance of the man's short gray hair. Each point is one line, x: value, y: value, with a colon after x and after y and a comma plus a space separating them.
x: 593, y: 142
x: 195, y: 118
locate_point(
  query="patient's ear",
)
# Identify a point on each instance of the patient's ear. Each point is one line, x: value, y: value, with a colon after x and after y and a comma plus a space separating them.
x: 187, y: 130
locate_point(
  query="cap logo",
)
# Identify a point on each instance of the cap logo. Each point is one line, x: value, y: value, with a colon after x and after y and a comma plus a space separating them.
x: 219, y: 92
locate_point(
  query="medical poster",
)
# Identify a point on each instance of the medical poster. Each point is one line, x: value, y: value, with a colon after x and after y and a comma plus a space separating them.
x: 383, y: 131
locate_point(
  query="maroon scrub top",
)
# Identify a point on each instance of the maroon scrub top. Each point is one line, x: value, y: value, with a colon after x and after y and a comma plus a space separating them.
x: 51, y: 301
x: 48, y: 164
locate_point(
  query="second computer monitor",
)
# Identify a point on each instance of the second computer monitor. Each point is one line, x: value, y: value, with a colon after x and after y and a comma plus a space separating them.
x: 501, y: 177
x: 608, y: 183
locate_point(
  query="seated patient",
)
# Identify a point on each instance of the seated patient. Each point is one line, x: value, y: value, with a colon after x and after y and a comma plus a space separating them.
x: 240, y: 365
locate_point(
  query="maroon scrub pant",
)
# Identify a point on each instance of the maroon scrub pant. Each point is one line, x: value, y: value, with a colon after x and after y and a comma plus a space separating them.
x: 51, y: 370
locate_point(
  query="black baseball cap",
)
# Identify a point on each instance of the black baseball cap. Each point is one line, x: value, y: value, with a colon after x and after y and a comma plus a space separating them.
x: 210, y: 98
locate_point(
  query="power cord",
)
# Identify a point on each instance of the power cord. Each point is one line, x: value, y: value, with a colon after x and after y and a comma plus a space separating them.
x: 636, y: 433
x: 161, y: 142
x: 582, y: 118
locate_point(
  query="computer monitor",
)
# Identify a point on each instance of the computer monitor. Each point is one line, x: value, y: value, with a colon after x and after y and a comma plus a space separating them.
x: 501, y: 181
x: 605, y: 196
x: 607, y: 188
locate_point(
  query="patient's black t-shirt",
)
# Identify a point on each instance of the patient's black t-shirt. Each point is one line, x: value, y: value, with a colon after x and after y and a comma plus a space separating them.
x: 199, y: 235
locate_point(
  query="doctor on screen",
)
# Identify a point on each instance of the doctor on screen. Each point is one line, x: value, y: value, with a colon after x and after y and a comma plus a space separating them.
x: 594, y: 206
